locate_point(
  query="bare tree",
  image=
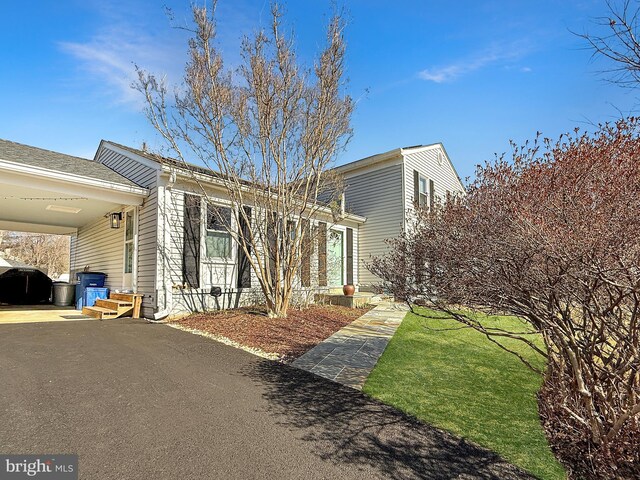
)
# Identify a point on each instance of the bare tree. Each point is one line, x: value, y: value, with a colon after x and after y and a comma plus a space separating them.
x: 616, y: 38
x: 552, y: 238
x: 270, y: 129
x: 49, y: 253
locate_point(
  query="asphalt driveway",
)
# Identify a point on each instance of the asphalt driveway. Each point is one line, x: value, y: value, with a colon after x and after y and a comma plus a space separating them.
x: 141, y: 401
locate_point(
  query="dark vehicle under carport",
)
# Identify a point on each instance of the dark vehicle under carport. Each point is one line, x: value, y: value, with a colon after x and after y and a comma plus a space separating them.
x: 24, y: 286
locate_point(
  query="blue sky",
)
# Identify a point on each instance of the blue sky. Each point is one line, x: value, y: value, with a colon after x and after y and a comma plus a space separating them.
x: 469, y: 74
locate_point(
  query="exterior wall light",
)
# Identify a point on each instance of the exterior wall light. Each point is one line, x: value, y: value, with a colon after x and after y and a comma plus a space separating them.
x: 114, y: 219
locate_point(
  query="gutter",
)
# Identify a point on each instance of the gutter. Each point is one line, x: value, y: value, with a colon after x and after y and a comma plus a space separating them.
x: 220, y: 182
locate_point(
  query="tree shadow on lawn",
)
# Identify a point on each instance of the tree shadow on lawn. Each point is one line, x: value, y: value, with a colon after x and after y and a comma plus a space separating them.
x: 349, y: 427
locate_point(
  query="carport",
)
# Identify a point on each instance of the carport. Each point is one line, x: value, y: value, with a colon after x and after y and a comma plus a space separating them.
x: 52, y: 193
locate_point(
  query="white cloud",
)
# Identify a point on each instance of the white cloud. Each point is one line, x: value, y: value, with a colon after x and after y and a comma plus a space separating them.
x: 110, y: 56
x: 455, y: 70
x: 141, y: 33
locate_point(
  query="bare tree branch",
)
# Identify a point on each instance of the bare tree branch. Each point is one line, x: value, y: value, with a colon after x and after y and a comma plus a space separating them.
x: 270, y: 128
x: 551, y: 238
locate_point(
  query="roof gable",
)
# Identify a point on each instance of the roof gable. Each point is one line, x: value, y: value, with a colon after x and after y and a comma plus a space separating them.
x: 421, y: 148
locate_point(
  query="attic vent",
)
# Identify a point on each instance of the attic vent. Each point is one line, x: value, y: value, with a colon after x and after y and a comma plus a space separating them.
x: 439, y: 158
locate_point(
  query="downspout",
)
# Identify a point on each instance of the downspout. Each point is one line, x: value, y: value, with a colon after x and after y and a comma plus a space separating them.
x: 404, y: 199
x: 164, y: 313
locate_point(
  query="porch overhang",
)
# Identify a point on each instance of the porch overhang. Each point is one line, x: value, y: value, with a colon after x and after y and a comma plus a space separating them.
x: 36, y: 199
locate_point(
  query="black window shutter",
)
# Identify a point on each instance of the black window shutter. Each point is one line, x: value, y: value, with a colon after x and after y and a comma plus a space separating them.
x: 349, y: 256
x: 322, y: 254
x: 272, y: 244
x: 432, y: 193
x: 244, y: 267
x: 191, y: 241
x: 307, y: 250
x: 416, y: 188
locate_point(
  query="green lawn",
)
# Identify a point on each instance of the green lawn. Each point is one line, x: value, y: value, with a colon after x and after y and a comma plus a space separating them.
x: 459, y: 381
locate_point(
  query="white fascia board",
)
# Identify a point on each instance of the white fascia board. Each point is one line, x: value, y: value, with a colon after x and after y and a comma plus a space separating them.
x: 37, y: 228
x: 370, y: 161
x: 212, y: 182
x: 325, y: 214
x: 353, y: 218
x: 37, y: 177
x: 421, y: 148
x: 187, y: 174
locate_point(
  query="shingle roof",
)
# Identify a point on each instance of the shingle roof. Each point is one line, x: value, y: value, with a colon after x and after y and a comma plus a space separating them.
x: 59, y: 162
x: 190, y: 167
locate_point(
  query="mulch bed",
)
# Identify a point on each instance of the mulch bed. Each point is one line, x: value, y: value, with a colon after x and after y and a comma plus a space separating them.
x: 287, y: 337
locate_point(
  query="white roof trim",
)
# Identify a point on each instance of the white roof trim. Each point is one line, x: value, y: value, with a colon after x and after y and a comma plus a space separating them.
x: 219, y: 182
x: 21, y: 168
x: 372, y: 160
x: 37, y: 228
x: 52, y: 180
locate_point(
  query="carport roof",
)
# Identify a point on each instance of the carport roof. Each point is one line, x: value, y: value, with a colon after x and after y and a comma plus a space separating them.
x: 39, y: 157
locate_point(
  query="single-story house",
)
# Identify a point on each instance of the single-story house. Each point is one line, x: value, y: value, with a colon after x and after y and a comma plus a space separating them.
x: 49, y: 192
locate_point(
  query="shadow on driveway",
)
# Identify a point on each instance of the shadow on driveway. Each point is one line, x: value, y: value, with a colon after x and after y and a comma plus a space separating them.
x: 137, y: 401
x: 351, y: 428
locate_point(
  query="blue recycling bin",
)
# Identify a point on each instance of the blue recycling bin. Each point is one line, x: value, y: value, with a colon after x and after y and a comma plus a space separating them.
x: 88, y: 280
x: 91, y: 294
x: 91, y: 279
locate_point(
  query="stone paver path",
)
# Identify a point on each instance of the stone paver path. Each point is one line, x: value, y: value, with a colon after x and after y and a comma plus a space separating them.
x: 349, y: 355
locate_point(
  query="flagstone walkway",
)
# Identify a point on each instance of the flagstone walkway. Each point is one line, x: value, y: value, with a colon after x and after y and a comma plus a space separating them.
x: 349, y: 355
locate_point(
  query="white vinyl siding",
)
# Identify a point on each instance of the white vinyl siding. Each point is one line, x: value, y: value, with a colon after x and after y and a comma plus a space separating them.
x: 147, y: 250
x: 99, y: 248
x: 146, y: 177
x: 429, y: 166
x: 377, y: 195
x: 219, y: 272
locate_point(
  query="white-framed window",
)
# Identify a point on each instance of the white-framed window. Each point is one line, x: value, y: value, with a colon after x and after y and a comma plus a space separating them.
x: 218, y: 238
x: 423, y: 186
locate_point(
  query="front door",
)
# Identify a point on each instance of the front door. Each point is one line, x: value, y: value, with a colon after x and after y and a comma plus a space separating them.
x: 335, y: 258
x: 130, y: 234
